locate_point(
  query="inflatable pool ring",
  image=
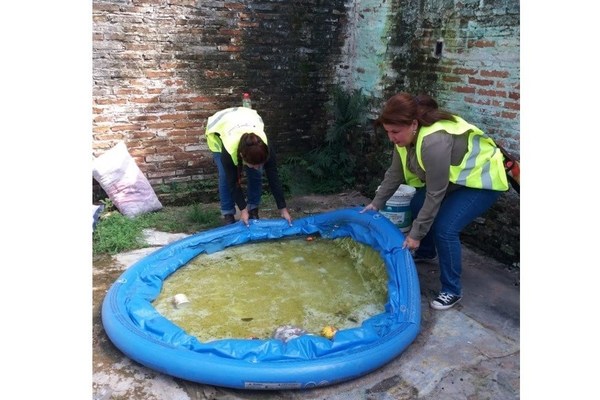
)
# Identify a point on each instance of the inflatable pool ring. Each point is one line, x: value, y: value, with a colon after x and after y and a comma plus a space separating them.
x: 144, y: 335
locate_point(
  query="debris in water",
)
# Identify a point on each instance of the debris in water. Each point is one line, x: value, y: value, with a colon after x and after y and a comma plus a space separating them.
x: 329, y: 331
x: 288, y: 332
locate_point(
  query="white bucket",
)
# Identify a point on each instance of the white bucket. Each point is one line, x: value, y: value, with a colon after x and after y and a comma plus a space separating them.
x: 397, y: 208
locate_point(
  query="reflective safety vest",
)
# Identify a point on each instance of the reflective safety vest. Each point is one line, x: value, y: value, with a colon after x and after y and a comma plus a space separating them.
x: 482, y: 167
x: 226, y: 127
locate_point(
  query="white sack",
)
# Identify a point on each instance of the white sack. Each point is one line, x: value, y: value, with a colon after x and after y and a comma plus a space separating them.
x: 124, y: 182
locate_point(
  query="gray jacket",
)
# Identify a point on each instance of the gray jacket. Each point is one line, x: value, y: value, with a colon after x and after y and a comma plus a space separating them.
x: 439, y: 151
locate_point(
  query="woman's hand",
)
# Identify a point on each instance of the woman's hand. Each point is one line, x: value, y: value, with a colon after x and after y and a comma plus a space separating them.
x: 285, y: 214
x: 411, y: 244
x: 244, y: 216
x: 370, y: 206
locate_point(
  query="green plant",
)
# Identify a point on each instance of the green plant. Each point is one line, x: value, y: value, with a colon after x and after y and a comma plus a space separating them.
x: 200, y: 215
x: 108, y: 205
x: 333, y: 166
x: 115, y: 233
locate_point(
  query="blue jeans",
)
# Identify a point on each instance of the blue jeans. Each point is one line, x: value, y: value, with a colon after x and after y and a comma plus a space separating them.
x: 457, y: 210
x: 254, y: 178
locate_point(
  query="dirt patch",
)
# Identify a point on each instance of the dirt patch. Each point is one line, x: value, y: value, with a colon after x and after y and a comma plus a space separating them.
x: 301, y: 206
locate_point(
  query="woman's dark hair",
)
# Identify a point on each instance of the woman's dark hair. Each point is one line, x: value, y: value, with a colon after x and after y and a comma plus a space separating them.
x: 403, y: 108
x: 252, y: 149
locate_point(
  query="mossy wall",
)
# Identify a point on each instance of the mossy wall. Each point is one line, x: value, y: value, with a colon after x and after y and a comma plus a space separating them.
x: 463, y: 53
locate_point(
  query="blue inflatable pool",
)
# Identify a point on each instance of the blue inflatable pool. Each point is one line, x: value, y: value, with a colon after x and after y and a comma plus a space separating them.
x: 144, y: 335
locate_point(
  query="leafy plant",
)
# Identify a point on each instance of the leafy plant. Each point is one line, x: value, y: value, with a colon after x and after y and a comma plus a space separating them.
x: 115, y: 233
x: 108, y: 205
x: 333, y: 166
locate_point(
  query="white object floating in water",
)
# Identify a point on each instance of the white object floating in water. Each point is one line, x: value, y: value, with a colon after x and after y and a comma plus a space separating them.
x: 180, y: 300
x: 288, y: 332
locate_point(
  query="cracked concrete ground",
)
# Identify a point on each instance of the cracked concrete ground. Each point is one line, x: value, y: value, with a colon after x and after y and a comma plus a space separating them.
x: 471, y: 351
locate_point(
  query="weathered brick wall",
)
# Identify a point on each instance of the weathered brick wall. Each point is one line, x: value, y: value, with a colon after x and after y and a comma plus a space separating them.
x: 161, y: 67
x: 476, y: 75
x: 391, y: 47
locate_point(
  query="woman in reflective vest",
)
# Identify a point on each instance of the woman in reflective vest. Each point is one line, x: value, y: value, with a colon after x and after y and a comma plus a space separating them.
x: 238, y: 142
x: 458, y: 172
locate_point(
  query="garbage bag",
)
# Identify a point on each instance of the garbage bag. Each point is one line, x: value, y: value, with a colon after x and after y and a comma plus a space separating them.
x: 124, y: 183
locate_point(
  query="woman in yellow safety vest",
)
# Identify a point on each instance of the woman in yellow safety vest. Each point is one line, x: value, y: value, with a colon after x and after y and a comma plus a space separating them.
x: 238, y: 142
x: 458, y: 173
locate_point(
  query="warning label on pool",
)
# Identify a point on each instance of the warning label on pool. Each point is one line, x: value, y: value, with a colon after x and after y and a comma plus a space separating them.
x: 272, y: 385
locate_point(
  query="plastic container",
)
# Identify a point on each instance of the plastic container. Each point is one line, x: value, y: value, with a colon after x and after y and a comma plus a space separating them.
x: 397, y: 208
x: 180, y: 300
x: 246, y: 102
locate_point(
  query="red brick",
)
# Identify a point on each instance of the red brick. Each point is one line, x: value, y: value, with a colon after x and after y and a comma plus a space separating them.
x: 143, y: 118
x: 142, y: 152
x: 184, y: 124
x: 494, y: 73
x: 132, y: 127
x: 141, y: 135
x: 451, y: 78
x: 102, y: 119
x: 159, y: 125
x: 144, y: 100
x: 173, y: 117
x: 109, y: 101
x: 480, y: 43
x: 493, y: 93
x: 464, y: 89
x: 158, y: 74
x: 127, y: 91
x: 229, y: 48
x: 464, y: 71
x: 108, y: 136
x: 480, y: 82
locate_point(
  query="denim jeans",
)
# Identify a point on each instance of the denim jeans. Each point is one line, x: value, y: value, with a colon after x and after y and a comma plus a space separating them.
x: 457, y: 210
x: 254, y: 178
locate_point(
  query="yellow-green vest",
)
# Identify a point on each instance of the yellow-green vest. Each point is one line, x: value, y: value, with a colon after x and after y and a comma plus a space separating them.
x: 226, y: 127
x: 482, y: 166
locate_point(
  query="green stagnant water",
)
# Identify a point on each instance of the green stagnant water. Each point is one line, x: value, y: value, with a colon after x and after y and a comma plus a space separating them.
x: 247, y: 291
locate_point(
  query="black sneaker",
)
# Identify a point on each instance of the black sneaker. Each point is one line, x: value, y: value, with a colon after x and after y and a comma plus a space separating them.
x: 444, y: 301
x: 253, y: 214
x: 419, y: 258
x: 228, y: 219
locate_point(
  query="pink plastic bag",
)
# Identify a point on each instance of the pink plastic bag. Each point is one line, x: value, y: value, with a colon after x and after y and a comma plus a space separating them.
x: 124, y: 182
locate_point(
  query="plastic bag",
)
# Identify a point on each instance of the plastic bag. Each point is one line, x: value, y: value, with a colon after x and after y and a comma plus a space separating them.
x: 124, y: 182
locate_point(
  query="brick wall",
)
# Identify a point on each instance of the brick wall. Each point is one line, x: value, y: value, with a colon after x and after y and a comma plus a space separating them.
x: 466, y: 54
x: 162, y: 67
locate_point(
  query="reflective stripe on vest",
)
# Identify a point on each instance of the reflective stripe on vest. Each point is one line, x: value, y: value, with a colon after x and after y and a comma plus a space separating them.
x: 227, y: 126
x: 482, y: 166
